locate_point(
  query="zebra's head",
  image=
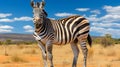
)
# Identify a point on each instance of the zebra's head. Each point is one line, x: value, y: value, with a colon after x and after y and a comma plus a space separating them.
x: 38, y: 11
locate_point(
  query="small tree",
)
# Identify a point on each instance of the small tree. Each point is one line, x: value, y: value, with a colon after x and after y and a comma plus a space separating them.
x: 107, y: 40
x: 1, y: 42
x: 6, y: 43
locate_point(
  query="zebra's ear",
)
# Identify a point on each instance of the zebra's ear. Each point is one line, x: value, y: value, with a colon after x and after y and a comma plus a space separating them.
x: 32, y: 3
x: 42, y: 4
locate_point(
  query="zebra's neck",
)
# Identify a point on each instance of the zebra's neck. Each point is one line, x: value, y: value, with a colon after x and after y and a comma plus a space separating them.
x: 45, y: 28
x: 39, y: 28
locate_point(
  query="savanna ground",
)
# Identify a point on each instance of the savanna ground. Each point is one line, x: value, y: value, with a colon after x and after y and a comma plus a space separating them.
x: 30, y: 56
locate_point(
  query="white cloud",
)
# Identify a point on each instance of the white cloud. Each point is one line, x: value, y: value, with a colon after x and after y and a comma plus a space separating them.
x: 110, y: 18
x: 4, y: 15
x: 28, y: 28
x: 108, y: 23
x: 6, y: 28
x: 112, y: 9
x: 104, y: 19
x: 97, y: 29
x: 103, y: 31
x: 95, y: 11
x: 52, y: 18
x: 24, y: 18
x: 93, y: 18
x: 64, y: 14
x: 6, y: 20
x: 113, y: 15
x: 82, y: 9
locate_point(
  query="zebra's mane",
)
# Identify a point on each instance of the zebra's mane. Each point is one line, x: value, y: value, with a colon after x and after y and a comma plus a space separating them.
x: 68, y: 17
x: 62, y: 19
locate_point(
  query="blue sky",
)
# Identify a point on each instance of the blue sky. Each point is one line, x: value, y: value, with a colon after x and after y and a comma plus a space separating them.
x: 104, y: 15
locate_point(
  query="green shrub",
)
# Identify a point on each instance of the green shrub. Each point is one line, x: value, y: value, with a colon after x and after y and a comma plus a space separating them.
x: 107, y: 41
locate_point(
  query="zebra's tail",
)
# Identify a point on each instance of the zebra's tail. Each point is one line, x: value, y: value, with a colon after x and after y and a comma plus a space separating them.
x: 89, y: 40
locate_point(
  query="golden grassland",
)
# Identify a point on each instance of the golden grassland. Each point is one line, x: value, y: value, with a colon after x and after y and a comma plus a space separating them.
x: 30, y: 56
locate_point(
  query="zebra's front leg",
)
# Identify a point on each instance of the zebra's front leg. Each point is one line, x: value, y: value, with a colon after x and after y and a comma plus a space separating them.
x: 44, y: 55
x: 49, y: 47
x: 85, y: 51
x: 75, y: 50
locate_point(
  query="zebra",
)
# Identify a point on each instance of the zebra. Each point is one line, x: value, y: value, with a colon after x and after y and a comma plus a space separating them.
x: 73, y: 30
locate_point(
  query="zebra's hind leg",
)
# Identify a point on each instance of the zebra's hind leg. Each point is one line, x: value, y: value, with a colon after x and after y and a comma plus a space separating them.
x: 75, y: 50
x: 82, y: 40
x: 85, y: 51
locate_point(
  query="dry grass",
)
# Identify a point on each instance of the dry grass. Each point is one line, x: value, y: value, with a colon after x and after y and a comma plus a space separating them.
x: 30, y: 56
x: 65, y: 63
x: 108, y: 65
x: 90, y: 53
x: 20, y: 46
x: 31, y: 51
x: 111, y: 53
x: 118, y: 59
x: 16, y: 58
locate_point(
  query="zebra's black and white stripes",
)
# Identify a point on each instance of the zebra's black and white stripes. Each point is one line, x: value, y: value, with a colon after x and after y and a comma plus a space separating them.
x: 73, y: 30
x: 63, y: 31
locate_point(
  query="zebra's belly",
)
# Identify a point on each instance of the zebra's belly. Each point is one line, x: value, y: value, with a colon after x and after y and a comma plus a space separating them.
x: 61, y: 41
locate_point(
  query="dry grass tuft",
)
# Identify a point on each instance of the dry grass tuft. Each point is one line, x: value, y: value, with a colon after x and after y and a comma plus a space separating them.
x: 16, y: 58
x: 101, y: 53
x: 65, y: 63
x: 6, y: 62
x: 108, y: 65
x: 31, y: 51
x: 118, y: 59
x: 90, y: 53
x: 20, y: 46
x: 110, y: 52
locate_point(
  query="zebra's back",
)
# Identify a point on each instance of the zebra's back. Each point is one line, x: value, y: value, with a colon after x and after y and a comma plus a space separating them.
x: 68, y: 29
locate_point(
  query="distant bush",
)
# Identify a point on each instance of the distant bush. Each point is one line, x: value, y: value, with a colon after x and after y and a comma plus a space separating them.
x: 97, y: 40
x: 1, y: 43
x: 107, y: 41
x: 117, y: 41
x: 27, y: 42
x: 8, y: 42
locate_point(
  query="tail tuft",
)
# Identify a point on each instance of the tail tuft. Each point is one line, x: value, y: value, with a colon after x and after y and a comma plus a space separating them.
x: 89, y: 40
